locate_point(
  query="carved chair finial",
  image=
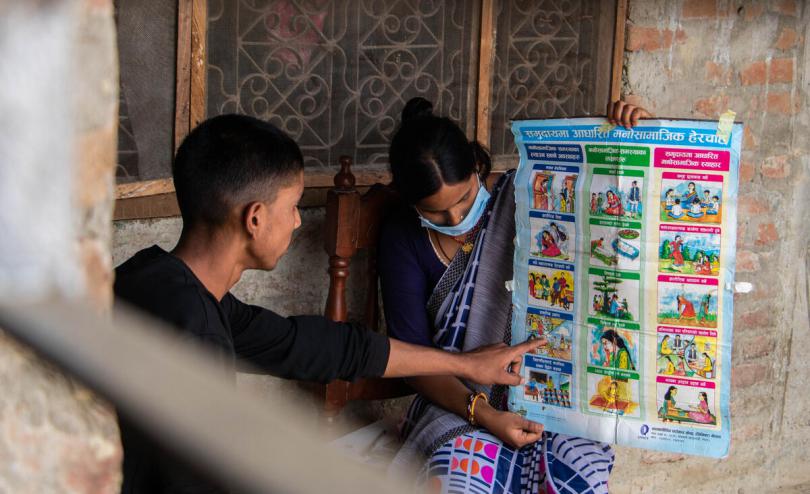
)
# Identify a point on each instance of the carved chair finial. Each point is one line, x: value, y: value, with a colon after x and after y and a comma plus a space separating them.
x: 344, y: 179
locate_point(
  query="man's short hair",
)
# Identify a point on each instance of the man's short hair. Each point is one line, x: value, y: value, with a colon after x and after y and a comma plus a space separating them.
x: 229, y: 161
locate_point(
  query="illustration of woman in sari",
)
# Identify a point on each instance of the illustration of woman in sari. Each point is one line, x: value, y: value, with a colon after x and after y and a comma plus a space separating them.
x: 686, y: 309
x: 548, y: 246
x: 669, y: 411
x: 701, y: 413
x: 665, y: 348
x: 614, y: 204
x: 617, y: 355
x: 707, y: 371
x: 677, y: 254
x: 691, y: 193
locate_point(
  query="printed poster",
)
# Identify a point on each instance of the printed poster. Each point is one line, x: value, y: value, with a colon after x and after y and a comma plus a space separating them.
x: 624, y: 261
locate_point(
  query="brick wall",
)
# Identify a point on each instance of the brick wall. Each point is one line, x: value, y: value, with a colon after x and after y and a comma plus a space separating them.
x: 61, y: 117
x: 695, y: 59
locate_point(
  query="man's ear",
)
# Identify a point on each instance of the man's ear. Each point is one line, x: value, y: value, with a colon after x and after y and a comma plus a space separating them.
x: 254, y: 215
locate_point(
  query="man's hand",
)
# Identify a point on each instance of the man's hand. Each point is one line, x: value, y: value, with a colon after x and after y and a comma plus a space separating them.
x: 625, y: 114
x: 497, y: 364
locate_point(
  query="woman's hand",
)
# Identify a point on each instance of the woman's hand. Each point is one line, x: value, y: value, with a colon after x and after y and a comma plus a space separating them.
x: 509, y: 427
x: 625, y: 114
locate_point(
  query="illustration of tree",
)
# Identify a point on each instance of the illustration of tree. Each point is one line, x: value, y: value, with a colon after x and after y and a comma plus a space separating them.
x: 607, y: 287
x: 666, y: 250
x: 686, y: 253
x: 713, y: 259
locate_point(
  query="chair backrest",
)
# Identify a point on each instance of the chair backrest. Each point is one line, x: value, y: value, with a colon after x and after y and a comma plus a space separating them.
x: 353, y: 224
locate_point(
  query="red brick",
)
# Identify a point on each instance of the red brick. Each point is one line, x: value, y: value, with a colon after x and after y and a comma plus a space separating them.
x: 788, y: 39
x: 718, y: 74
x: 767, y: 234
x: 742, y: 229
x: 712, y: 106
x: 754, y: 319
x: 780, y: 70
x: 642, y: 38
x: 781, y: 102
x: 745, y: 375
x: 752, y: 205
x: 757, y: 346
x: 749, y: 140
x: 753, y: 73
x: 776, y: 167
x: 785, y: 7
x: 747, y: 262
x: 699, y: 9
x: 747, y: 172
x: 748, y: 432
x: 753, y: 11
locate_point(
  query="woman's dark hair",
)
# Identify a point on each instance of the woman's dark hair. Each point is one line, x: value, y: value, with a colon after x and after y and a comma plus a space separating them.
x: 668, y: 395
x: 428, y: 151
x: 613, y: 337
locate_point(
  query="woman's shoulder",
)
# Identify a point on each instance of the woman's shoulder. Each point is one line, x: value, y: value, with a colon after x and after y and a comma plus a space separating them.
x: 402, y: 223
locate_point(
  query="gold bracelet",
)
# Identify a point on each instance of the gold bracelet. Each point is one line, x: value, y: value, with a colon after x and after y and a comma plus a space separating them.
x: 471, y: 406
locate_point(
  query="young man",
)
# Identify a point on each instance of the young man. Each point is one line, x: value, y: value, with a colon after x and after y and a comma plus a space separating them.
x: 238, y: 181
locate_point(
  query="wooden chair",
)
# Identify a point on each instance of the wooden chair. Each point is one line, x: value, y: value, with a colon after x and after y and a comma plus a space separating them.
x: 353, y: 224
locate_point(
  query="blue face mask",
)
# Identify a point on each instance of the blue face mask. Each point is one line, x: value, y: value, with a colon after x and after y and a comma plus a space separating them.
x: 469, y: 221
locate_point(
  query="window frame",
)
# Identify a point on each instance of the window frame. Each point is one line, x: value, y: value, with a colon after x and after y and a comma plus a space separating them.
x: 156, y: 199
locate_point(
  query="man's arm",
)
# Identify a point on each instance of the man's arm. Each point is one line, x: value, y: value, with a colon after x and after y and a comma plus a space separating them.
x: 495, y: 364
x: 313, y: 348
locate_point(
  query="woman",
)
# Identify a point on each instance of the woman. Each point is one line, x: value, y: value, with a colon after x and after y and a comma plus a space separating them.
x: 614, y: 204
x: 433, y: 295
x: 669, y: 410
x: 616, y: 354
x: 665, y: 349
x: 548, y: 246
x: 560, y: 237
x: 707, y: 371
x: 702, y: 414
x: 677, y: 254
x: 686, y: 309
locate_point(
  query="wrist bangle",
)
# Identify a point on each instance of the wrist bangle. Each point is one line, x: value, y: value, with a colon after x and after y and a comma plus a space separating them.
x: 471, y: 402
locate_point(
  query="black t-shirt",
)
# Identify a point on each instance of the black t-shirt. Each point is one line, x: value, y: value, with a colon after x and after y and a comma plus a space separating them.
x: 310, y: 348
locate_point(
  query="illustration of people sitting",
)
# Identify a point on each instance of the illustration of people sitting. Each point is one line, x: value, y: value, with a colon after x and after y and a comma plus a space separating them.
x: 695, y: 210
x: 701, y: 414
x: 669, y: 411
x: 665, y: 348
x: 691, y: 193
x: 614, y: 204
x: 669, y: 199
x: 613, y: 395
x: 707, y: 370
x: 676, y: 211
x: 714, y: 206
x: 701, y: 264
x: 532, y: 390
